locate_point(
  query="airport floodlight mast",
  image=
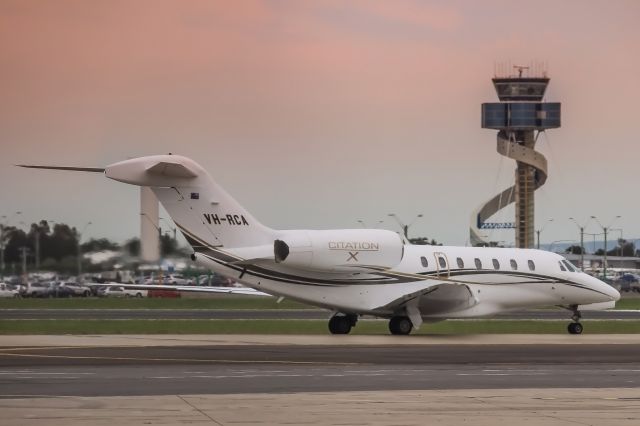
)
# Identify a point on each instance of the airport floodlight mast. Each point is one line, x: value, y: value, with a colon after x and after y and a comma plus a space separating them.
x: 403, y: 225
x: 519, y: 117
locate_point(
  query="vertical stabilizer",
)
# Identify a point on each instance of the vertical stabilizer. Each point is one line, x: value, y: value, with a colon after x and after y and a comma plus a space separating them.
x: 201, y: 209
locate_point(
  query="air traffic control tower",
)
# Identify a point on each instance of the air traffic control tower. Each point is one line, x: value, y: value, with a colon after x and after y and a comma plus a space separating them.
x: 519, y: 118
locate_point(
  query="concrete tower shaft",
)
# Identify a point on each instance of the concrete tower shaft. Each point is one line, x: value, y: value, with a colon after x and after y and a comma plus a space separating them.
x: 519, y: 118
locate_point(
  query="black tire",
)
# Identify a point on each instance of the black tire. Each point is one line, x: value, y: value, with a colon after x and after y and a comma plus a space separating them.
x: 139, y: 295
x: 87, y: 293
x: 575, y: 328
x: 127, y: 296
x: 400, y: 326
x: 340, y: 324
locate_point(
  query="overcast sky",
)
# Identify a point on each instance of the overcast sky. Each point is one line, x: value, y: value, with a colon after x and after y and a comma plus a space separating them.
x: 316, y: 114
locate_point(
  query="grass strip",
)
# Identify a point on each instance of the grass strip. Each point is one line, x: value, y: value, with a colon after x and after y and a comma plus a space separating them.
x: 220, y: 301
x: 9, y: 327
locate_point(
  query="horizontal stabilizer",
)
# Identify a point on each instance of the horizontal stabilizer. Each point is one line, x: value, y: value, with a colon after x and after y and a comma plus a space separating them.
x: 174, y: 169
x: 69, y: 169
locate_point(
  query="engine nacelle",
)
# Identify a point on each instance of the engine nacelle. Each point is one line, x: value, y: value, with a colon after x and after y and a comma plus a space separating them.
x: 339, y: 250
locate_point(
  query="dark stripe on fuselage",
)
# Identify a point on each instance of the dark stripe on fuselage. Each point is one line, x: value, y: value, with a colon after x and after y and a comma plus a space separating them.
x: 390, y: 277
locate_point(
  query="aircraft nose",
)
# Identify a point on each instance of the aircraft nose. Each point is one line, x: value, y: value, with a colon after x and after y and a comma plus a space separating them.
x: 615, y: 294
x: 609, y: 290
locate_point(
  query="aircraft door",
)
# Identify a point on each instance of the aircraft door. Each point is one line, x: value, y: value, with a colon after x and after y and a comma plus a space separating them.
x: 442, y: 264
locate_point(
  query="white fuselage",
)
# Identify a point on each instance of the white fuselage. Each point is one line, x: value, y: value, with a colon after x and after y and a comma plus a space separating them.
x: 505, y: 279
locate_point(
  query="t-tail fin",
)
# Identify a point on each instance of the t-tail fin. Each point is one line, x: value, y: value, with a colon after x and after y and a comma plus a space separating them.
x: 202, y: 210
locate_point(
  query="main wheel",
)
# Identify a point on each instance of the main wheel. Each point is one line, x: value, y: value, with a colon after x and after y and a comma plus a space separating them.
x: 340, y: 324
x: 400, y: 325
x: 575, y: 328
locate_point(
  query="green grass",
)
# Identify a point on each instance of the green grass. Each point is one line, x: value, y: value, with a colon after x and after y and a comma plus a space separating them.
x: 368, y: 327
x: 222, y: 301
x: 628, y: 303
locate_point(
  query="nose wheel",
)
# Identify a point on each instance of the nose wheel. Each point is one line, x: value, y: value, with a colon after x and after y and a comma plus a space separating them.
x: 575, y: 327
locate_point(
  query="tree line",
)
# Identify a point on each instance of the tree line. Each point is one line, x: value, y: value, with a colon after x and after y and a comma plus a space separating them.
x: 58, y: 249
x: 624, y: 248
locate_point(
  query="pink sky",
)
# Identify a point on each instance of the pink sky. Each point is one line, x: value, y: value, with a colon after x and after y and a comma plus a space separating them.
x: 316, y: 114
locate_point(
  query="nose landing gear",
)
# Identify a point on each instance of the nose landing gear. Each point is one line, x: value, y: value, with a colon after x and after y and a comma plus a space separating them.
x: 575, y: 327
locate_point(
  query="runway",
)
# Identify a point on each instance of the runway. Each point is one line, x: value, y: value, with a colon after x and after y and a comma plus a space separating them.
x: 345, y: 365
x: 292, y: 314
x: 320, y: 380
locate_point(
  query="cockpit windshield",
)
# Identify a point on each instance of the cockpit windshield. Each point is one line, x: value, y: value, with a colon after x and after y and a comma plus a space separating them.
x: 569, y: 266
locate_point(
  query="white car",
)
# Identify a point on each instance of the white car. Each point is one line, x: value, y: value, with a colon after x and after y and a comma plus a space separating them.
x: 119, y: 291
x: 7, y: 292
x: 172, y: 279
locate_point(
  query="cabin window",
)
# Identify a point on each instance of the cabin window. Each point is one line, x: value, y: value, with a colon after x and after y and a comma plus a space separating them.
x: 514, y: 264
x: 496, y: 264
x: 532, y: 266
x: 424, y: 262
x: 562, y: 268
x: 442, y: 262
x: 478, y: 263
x: 460, y: 263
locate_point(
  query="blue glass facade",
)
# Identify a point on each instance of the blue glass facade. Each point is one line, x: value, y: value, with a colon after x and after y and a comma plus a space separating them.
x: 521, y: 115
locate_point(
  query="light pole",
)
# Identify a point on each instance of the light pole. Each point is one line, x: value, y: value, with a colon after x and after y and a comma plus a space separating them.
x: 605, y: 229
x: 581, y: 228
x: 79, y: 251
x: 405, y: 227
x: 540, y: 230
x: 3, y: 224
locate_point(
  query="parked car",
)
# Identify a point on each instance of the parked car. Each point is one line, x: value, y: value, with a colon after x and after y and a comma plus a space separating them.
x: 61, y: 290
x: 6, y: 291
x: 630, y: 282
x: 215, y: 280
x: 45, y: 289
x: 76, y: 289
x: 172, y: 279
x: 119, y: 291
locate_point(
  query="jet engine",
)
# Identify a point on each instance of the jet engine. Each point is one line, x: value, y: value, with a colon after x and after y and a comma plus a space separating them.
x: 339, y: 250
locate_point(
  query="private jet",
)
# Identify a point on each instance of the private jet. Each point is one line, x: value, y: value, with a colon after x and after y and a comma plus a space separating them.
x: 356, y: 272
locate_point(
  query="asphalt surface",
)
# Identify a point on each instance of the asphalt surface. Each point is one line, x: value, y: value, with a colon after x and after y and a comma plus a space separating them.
x: 302, y: 314
x: 111, y: 371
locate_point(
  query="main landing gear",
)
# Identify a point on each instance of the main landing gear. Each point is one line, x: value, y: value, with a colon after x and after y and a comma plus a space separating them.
x: 342, y: 324
x: 575, y: 327
x: 400, y: 325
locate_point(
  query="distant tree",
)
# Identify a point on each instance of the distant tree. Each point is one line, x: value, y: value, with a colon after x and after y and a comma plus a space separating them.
x: 574, y: 250
x: 168, y: 245
x: 424, y: 241
x: 132, y: 246
x: 627, y: 248
x: 16, y: 239
x: 100, y: 244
